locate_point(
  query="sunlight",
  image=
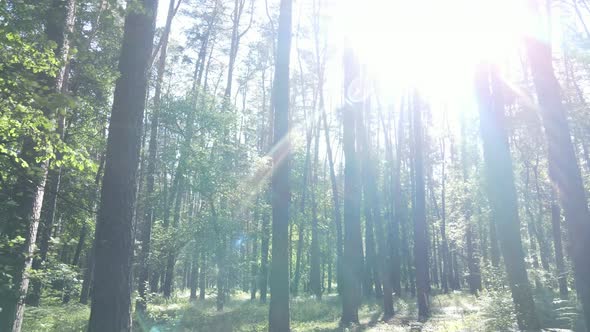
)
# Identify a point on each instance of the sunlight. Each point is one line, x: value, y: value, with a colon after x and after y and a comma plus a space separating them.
x: 430, y: 45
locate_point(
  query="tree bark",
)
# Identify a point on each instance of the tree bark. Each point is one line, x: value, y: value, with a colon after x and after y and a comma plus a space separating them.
x: 315, y: 280
x: 420, y: 225
x: 564, y: 170
x: 278, y: 320
x: 111, y: 300
x: 502, y: 193
x: 559, y: 262
x: 352, y: 257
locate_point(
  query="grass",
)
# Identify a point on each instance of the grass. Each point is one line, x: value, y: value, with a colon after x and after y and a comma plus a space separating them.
x: 453, y: 312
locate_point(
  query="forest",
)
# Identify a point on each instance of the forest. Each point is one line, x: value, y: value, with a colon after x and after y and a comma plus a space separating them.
x: 281, y: 165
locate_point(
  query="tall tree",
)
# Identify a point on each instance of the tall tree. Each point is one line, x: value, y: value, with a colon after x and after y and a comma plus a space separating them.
x: 148, y: 217
x: 352, y: 256
x: 564, y: 170
x: 420, y: 226
x: 502, y: 193
x: 30, y: 186
x: 111, y: 300
x: 278, y: 320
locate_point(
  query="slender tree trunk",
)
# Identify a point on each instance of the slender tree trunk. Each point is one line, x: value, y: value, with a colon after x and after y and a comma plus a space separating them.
x: 383, y: 265
x: 264, y: 245
x: 298, y: 257
x: 559, y: 262
x: 194, y: 276
x: 398, y: 216
x: 315, y: 280
x: 335, y: 195
x: 88, y: 276
x: 203, y: 276
x: 474, y: 277
x: 445, y: 257
x: 46, y: 227
x: 148, y: 217
x: 494, y: 250
x: 111, y: 300
x: 502, y: 194
x: 80, y: 245
x: 254, y: 265
x: 420, y: 226
x: 89, y: 271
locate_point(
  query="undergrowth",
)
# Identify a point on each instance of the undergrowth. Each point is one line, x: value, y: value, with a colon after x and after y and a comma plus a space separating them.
x: 457, y: 311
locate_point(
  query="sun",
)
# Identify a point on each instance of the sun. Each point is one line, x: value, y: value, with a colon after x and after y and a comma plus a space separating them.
x: 430, y: 45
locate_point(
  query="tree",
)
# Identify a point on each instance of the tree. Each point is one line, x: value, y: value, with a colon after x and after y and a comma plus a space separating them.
x: 151, y: 162
x: 420, y: 226
x: 502, y: 193
x: 563, y: 165
x: 279, y: 273
x: 111, y: 301
x: 30, y: 186
x: 352, y: 257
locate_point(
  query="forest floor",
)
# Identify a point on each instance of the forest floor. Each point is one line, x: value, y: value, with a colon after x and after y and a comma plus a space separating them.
x: 452, y: 312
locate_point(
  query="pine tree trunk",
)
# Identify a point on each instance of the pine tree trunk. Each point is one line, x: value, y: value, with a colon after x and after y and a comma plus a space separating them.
x: 264, y: 245
x: 445, y: 257
x: 420, y: 226
x: 111, y: 301
x: 203, y: 276
x: 315, y: 279
x: 502, y: 194
x: 148, y: 217
x: 278, y: 319
x: 563, y: 166
x: 352, y: 259
x: 398, y: 216
x: 559, y: 262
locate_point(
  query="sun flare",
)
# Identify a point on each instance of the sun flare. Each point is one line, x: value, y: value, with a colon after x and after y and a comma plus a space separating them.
x: 430, y: 45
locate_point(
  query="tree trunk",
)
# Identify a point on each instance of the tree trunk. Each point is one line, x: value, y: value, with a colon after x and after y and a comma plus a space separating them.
x: 148, y: 217
x: 352, y: 259
x: 203, y: 276
x: 563, y: 166
x: 398, y: 216
x: 46, y: 227
x: 88, y: 275
x: 445, y: 257
x: 315, y: 280
x: 474, y: 277
x: 264, y: 244
x: 559, y: 262
x: 502, y: 194
x: 335, y: 195
x: 30, y: 185
x: 194, y: 276
x: 278, y: 320
x: 420, y: 226
x: 254, y: 261
x: 111, y: 300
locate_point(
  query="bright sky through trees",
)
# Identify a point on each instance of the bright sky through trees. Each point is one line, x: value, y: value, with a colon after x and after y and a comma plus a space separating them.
x: 429, y: 44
